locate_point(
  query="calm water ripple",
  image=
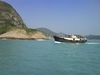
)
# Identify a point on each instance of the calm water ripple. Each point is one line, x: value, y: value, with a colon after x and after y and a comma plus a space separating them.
x: 23, y: 57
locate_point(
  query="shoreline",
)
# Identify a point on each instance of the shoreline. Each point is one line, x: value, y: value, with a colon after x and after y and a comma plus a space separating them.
x: 14, y: 38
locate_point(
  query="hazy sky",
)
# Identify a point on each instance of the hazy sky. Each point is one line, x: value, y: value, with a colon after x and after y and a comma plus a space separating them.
x: 68, y: 16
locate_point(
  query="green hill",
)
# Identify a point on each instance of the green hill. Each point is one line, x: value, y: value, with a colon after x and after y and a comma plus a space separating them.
x: 12, y: 25
x: 46, y: 32
x: 9, y: 18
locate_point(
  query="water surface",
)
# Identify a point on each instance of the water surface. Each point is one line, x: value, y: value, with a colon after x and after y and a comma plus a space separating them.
x: 31, y: 57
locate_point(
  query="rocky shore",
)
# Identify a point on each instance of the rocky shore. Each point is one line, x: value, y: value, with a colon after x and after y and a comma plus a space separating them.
x: 23, y: 35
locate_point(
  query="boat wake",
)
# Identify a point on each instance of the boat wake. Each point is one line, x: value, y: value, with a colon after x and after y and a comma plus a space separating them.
x: 92, y: 43
x: 57, y: 42
x: 40, y: 40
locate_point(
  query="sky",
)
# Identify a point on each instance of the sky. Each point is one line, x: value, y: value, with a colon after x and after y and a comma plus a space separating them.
x: 67, y: 16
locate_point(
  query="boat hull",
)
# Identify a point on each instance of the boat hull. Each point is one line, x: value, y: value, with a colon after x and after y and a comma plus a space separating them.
x: 59, y: 39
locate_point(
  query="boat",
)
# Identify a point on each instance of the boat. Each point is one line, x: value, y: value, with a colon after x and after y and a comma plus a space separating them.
x: 70, y: 39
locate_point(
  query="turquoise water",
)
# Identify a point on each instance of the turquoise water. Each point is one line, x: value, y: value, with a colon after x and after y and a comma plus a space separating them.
x: 23, y: 57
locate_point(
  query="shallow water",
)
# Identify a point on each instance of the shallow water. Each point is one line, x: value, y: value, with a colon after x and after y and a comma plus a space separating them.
x: 30, y: 57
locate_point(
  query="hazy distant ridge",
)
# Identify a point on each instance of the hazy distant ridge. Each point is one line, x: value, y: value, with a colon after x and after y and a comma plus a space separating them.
x: 94, y: 37
x: 49, y: 32
x: 46, y: 31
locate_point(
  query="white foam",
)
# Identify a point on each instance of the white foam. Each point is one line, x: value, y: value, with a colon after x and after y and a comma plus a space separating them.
x: 40, y: 40
x: 57, y: 42
x: 92, y: 43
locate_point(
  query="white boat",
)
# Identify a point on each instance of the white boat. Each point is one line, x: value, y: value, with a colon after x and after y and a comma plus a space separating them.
x: 70, y: 39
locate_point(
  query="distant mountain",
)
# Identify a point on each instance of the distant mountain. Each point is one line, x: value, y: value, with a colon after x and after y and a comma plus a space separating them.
x: 94, y: 37
x: 47, y: 32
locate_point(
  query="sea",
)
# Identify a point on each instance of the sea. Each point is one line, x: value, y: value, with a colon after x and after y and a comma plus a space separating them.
x: 46, y: 57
